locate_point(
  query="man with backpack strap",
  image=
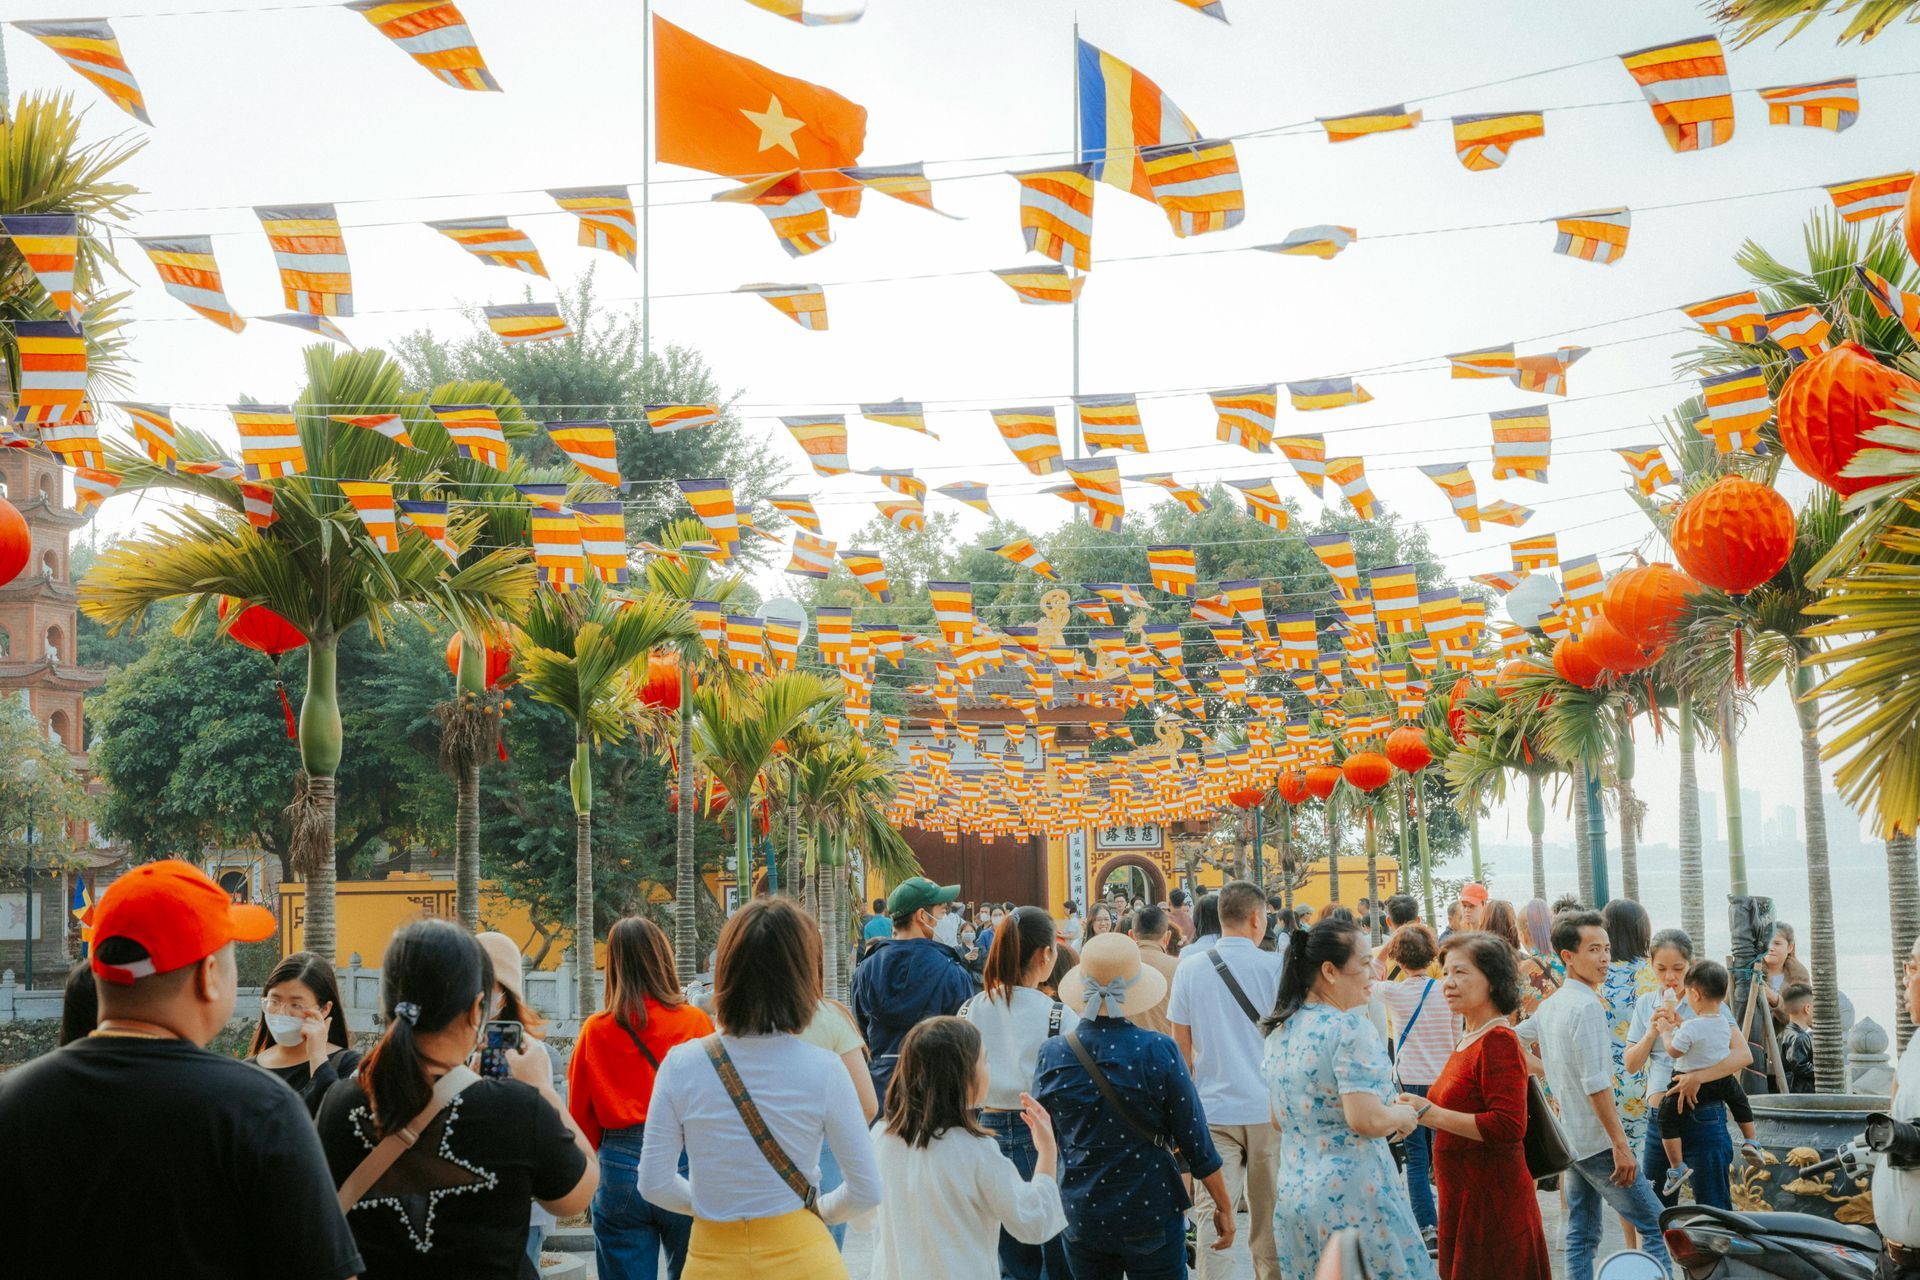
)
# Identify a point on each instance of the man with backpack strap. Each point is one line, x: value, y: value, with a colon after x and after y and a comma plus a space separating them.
x: 1218, y: 1000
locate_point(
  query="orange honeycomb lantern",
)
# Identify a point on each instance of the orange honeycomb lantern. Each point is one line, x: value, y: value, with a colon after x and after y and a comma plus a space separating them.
x: 1647, y: 603
x: 1322, y: 779
x: 1368, y: 770
x: 1407, y: 748
x: 1733, y: 535
x: 1292, y: 786
x: 1246, y: 797
x: 1609, y: 646
x: 1828, y: 406
x: 1576, y: 664
x: 660, y: 688
x: 499, y: 657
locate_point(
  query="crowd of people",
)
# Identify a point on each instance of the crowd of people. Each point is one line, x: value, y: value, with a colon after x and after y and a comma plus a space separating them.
x: 1011, y: 1094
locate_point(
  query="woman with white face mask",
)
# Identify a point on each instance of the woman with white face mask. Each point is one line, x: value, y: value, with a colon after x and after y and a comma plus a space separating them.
x: 302, y: 1036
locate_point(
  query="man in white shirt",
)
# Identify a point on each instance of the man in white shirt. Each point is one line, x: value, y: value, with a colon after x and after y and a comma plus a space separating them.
x: 1218, y: 999
x: 1569, y: 1031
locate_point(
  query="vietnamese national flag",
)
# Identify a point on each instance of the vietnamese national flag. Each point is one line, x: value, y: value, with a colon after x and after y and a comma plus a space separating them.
x: 718, y: 111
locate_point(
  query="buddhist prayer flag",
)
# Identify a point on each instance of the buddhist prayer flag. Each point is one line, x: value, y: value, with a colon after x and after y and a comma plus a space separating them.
x: 49, y: 243
x: 373, y: 502
x: 1599, y: 235
x: 1736, y: 317
x: 662, y: 418
x: 1246, y: 416
x: 269, y: 440
x: 495, y: 242
x: 53, y: 372
x: 1172, y: 569
x: 1322, y: 242
x: 475, y: 432
x: 797, y: 508
x: 312, y: 256
x: 76, y: 442
x: 1686, y: 85
x: 971, y: 492
x: 712, y: 501
x: 1023, y: 553
x: 783, y: 642
x: 1382, y: 120
x: 812, y: 557
x: 1482, y: 142
x: 1825, y: 104
x: 1501, y: 511
x: 904, y: 182
x: 1531, y: 555
x: 1889, y: 301
x: 795, y: 212
x: 556, y: 549
x: 91, y: 487
x: 1111, y: 422
x: 430, y: 518
x: 1456, y: 481
x: 1326, y: 393
x: 548, y: 497
x: 1299, y: 639
x: 1737, y: 407
x: 1546, y: 372
x: 1032, y: 436
x: 603, y: 538
x: 1042, y: 286
x: 1122, y: 112
x: 804, y: 304
x: 953, y: 610
x: 1099, y: 480
x: 1522, y: 442
x: 1443, y: 616
x: 1866, y: 198
x: 257, y: 501
x: 1308, y: 454
x: 1056, y: 213
x: 188, y: 272
x: 1490, y: 362
x: 606, y: 216
x: 1581, y: 586
x: 904, y: 513
x: 1500, y: 580
x: 1246, y: 602
x: 1187, y: 496
x: 1197, y: 185
x: 1351, y: 475
x: 590, y: 447
x: 319, y: 326
x: 153, y: 429
x: 907, y: 414
x: 869, y: 572
x: 434, y: 34
x: 1396, y: 599
x: 523, y: 322
x: 1801, y: 331
x: 1336, y: 552
x: 89, y: 46
x: 717, y: 111
x: 823, y: 438
x: 1648, y: 466
x: 217, y: 469
x: 900, y: 481
x: 1263, y: 502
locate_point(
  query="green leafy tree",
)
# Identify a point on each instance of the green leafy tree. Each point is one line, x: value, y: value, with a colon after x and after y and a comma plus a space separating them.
x: 37, y: 779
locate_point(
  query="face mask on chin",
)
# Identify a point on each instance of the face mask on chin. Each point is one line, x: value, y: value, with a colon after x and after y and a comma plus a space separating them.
x: 285, y: 1029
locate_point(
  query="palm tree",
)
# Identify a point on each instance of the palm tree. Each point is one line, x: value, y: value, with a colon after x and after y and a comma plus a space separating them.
x: 1496, y: 746
x: 1748, y: 20
x: 580, y: 651
x: 315, y: 565
x: 689, y: 579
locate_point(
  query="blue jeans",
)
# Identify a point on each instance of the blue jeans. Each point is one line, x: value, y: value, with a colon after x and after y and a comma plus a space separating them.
x: 1419, y: 1147
x: 1023, y: 1261
x: 536, y: 1236
x: 629, y: 1231
x: 831, y: 1177
x: 1590, y: 1186
x: 1151, y: 1255
x: 1708, y: 1151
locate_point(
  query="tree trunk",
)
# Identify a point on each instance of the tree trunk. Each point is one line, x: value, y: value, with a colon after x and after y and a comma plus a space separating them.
x: 1829, y: 1046
x: 472, y: 679
x: 1730, y: 784
x: 686, y: 873
x: 1582, y: 849
x: 580, y: 781
x: 1374, y: 914
x: 1693, y: 890
x: 1426, y: 851
x: 1537, y: 834
x: 1333, y: 854
x: 1903, y: 900
x: 1629, y: 820
x: 320, y: 749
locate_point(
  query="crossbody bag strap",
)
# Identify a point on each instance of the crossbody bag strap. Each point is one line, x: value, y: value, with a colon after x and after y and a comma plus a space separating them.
x: 1395, y: 1053
x: 1053, y: 1019
x: 639, y: 1044
x: 775, y: 1154
x: 1233, y: 985
x: 1107, y: 1093
x: 396, y: 1144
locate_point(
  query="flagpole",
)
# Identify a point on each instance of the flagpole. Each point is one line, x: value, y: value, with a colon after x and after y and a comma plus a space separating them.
x: 1076, y: 297
x: 646, y: 195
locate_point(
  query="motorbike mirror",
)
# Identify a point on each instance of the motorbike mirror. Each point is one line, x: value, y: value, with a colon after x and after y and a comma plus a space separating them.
x: 1631, y: 1264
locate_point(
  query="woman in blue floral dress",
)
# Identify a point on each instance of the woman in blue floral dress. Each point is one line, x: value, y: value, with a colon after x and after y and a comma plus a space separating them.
x: 1332, y: 1092
x: 1629, y: 977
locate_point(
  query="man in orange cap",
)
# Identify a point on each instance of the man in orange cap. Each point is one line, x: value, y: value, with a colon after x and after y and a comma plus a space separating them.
x: 192, y: 1163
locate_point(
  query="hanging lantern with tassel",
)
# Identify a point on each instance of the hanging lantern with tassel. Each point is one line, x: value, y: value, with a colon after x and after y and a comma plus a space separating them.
x: 260, y: 628
x: 1734, y: 535
x: 1828, y: 406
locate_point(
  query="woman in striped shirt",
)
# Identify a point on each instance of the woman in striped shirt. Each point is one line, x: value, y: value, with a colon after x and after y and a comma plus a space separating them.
x: 1423, y: 1035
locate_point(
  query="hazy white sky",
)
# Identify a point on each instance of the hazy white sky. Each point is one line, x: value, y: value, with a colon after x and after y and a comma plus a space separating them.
x: 311, y: 104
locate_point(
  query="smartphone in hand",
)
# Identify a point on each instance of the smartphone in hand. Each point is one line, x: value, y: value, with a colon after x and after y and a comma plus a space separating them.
x: 497, y: 1040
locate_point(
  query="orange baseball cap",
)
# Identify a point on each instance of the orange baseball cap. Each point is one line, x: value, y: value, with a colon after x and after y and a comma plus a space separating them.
x: 173, y: 910
x: 1474, y: 894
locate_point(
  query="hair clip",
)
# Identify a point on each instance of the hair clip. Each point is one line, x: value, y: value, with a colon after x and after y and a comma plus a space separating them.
x: 407, y: 1009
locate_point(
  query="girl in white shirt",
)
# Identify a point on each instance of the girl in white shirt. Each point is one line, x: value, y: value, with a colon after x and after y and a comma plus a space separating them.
x: 948, y: 1184
x: 1014, y: 1018
x: 752, y: 1202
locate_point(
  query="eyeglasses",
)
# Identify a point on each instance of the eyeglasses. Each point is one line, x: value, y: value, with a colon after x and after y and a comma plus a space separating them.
x: 291, y: 1008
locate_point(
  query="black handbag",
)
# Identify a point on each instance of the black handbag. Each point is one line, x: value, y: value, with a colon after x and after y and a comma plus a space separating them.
x: 1546, y: 1142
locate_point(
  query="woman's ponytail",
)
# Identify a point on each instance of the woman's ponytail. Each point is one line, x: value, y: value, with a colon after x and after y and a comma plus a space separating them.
x: 1330, y: 941
x: 433, y: 973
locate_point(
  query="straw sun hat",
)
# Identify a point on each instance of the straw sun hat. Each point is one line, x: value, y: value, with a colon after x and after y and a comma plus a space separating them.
x: 1111, y: 973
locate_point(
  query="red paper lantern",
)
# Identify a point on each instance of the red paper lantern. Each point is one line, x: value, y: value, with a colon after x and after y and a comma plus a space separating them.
x: 661, y: 687
x: 1246, y: 797
x: 1609, y: 646
x: 499, y: 657
x: 1322, y: 779
x: 1408, y: 750
x: 1368, y: 770
x: 1457, y: 710
x: 1828, y: 406
x: 1647, y: 603
x: 259, y: 627
x: 1506, y: 681
x: 1575, y: 664
x: 1292, y: 786
x: 16, y: 542
x: 1733, y: 535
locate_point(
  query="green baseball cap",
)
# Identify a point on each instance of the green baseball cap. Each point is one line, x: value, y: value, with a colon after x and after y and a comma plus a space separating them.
x: 917, y: 894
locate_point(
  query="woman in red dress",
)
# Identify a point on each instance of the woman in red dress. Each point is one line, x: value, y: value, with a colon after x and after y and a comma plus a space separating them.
x: 1489, y: 1217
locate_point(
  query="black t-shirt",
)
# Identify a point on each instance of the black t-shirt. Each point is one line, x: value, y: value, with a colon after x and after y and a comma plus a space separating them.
x: 130, y: 1157
x: 312, y: 1085
x: 455, y: 1205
